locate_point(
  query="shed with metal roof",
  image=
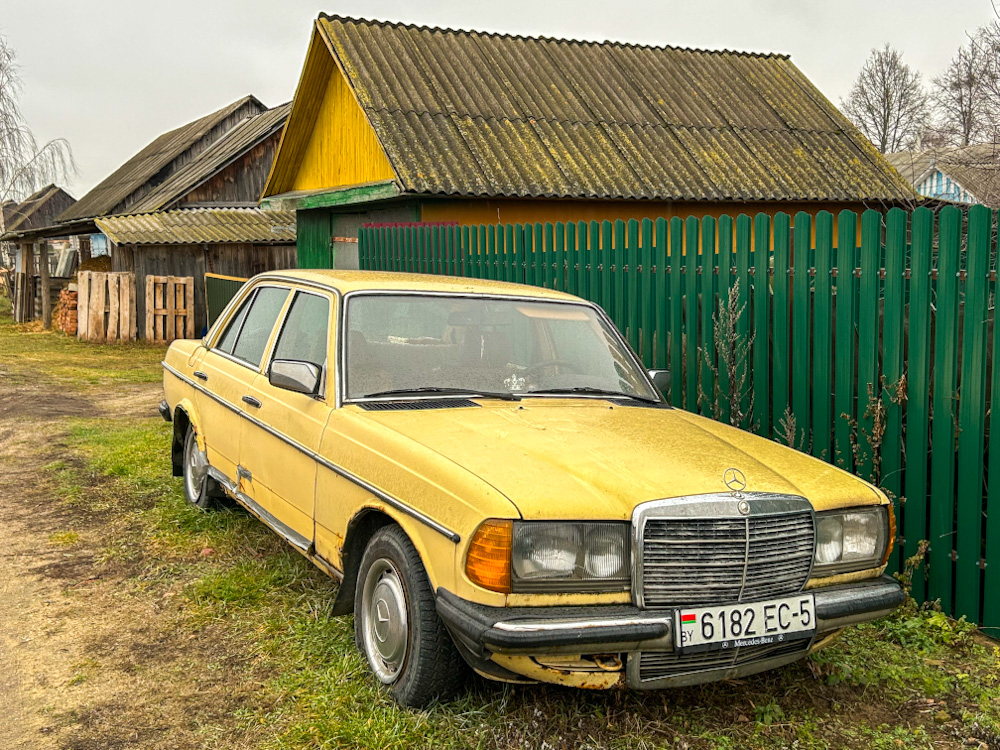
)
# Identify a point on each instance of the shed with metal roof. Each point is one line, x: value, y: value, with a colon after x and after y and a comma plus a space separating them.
x: 399, y: 122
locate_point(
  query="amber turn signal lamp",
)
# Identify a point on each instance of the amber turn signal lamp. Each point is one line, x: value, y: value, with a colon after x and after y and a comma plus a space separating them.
x: 487, y: 562
x: 892, y: 533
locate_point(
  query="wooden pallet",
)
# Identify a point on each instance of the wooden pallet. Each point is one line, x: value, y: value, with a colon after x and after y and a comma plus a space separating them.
x: 169, y: 308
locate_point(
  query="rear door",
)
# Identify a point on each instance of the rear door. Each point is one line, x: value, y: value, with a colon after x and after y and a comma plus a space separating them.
x: 280, y: 458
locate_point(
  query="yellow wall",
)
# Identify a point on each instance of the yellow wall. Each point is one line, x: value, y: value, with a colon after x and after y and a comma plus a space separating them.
x: 342, y: 148
x: 504, y: 211
x: 512, y: 211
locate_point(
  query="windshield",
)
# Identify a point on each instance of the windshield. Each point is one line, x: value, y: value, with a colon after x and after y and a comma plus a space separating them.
x: 399, y: 343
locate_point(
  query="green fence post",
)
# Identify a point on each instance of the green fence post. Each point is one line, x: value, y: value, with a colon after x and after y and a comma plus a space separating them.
x: 991, y: 603
x: 801, y: 307
x: 868, y: 325
x: 606, y: 260
x: 918, y: 415
x: 530, y: 255
x: 559, y: 256
x: 583, y: 261
x: 822, y: 334
x: 942, y: 509
x: 510, y: 254
x: 725, y: 284
x: 781, y: 325
x: 893, y: 317
x: 631, y: 257
x: 761, y: 324
x: 662, y: 293
x: 548, y: 256
x: 743, y: 375
x: 467, y: 234
x: 692, y: 246
x: 843, y: 387
x: 518, y: 260
x: 706, y: 354
x: 572, y: 260
x: 618, y: 280
x: 972, y: 416
x: 594, y: 260
x: 648, y: 310
x: 676, y: 365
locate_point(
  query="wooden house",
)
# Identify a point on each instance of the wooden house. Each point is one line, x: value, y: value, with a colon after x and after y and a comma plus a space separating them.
x: 35, y: 267
x: 394, y: 122
x: 969, y: 174
x: 187, y: 203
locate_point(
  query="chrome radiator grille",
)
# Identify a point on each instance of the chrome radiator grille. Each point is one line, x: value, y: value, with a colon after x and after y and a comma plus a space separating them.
x: 700, y: 561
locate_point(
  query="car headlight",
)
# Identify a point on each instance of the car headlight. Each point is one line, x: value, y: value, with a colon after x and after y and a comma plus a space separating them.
x: 849, y: 540
x: 551, y: 557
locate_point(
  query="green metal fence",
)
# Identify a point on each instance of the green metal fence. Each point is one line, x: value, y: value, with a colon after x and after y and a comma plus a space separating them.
x: 865, y: 340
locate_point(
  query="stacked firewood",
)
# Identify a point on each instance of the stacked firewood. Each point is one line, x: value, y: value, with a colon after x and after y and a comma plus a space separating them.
x: 65, y: 317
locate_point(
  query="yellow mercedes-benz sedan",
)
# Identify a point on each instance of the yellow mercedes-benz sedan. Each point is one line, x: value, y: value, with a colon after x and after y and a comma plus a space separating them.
x: 496, y: 481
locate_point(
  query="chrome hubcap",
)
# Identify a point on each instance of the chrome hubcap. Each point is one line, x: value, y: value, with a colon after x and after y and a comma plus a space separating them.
x: 195, y: 467
x: 385, y: 627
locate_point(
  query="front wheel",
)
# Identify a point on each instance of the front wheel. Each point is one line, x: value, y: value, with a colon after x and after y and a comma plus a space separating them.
x: 397, y: 627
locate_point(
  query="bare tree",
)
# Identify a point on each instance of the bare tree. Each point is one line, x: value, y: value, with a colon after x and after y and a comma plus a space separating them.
x: 25, y: 165
x: 887, y: 101
x: 964, y: 101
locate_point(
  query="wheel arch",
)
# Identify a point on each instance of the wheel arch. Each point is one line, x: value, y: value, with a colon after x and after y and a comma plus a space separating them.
x: 360, y: 529
x: 184, y: 416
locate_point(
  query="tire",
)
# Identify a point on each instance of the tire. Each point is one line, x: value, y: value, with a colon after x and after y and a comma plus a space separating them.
x: 397, y: 627
x: 197, y: 483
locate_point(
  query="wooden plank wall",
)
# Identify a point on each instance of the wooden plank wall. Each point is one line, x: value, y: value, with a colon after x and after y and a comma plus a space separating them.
x: 241, y: 260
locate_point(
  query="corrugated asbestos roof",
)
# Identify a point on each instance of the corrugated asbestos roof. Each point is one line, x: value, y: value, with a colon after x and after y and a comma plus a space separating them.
x: 240, y: 139
x: 472, y: 113
x: 975, y: 168
x: 192, y: 226
x: 145, y: 165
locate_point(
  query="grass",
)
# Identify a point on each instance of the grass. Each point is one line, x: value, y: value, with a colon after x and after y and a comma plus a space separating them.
x: 55, y: 357
x: 914, y: 680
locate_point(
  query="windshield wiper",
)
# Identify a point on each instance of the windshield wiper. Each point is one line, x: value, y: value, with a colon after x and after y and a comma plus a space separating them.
x: 445, y: 391
x: 593, y: 391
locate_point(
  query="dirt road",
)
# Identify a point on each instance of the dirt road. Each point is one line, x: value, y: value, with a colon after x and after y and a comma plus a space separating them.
x: 85, y: 660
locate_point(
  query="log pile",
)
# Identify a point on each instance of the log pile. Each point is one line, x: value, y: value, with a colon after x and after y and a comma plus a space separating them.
x: 65, y: 317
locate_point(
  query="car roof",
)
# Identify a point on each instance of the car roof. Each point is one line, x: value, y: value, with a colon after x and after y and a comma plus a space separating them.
x: 353, y: 281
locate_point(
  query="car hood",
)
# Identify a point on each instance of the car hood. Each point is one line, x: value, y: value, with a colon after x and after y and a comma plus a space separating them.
x: 590, y: 458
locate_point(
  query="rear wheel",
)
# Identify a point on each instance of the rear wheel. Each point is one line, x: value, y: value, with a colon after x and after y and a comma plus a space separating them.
x: 197, y: 488
x: 397, y: 627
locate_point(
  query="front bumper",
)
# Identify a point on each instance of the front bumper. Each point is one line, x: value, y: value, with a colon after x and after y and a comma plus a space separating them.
x: 485, y: 633
x: 165, y: 411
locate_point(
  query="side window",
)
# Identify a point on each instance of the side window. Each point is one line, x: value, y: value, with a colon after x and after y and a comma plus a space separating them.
x: 258, y: 324
x: 227, y: 340
x: 305, y: 332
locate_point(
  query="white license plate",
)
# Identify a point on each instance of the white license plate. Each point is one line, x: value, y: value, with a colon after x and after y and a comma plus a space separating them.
x: 745, y: 624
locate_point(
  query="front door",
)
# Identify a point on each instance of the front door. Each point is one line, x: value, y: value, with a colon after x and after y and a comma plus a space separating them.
x: 279, y: 458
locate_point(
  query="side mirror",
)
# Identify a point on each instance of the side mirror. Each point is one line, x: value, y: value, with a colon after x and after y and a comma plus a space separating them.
x: 661, y: 379
x: 292, y: 375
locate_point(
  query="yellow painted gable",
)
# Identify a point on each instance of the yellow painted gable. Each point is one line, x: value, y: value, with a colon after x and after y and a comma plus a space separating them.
x: 342, y: 149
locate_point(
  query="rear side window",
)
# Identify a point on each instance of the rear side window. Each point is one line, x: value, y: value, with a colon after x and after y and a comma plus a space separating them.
x: 229, y: 337
x: 258, y: 324
x: 305, y: 332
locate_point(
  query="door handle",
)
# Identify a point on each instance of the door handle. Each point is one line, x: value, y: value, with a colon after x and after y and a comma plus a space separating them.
x: 252, y: 401
x: 200, y: 375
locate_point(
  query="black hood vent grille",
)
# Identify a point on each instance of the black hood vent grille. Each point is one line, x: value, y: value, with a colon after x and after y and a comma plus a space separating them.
x: 434, y: 403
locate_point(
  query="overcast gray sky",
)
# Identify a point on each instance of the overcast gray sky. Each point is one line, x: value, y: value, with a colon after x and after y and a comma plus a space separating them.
x: 111, y: 75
